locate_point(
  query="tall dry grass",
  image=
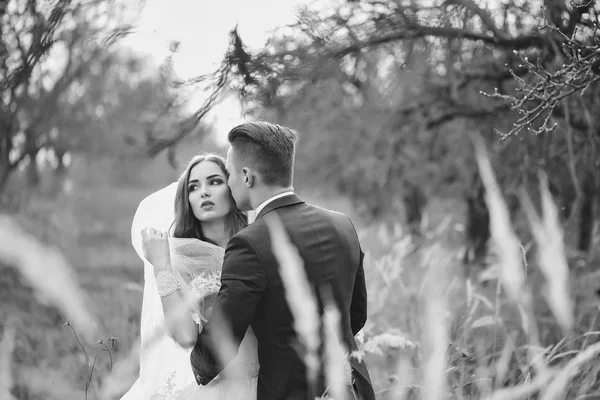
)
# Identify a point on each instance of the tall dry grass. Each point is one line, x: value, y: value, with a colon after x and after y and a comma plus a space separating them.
x: 436, y: 329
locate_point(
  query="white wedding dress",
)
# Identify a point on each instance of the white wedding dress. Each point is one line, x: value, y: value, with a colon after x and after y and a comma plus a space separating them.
x: 165, y: 370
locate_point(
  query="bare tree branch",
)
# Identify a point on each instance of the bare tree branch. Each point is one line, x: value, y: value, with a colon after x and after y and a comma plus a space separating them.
x: 550, y: 89
x: 38, y: 48
x: 464, y: 112
x: 421, y: 31
x: 220, y: 79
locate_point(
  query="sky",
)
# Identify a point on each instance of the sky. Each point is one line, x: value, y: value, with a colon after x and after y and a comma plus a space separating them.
x: 202, y: 28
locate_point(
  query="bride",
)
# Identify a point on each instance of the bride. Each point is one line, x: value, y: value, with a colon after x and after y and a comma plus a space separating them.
x: 182, y: 278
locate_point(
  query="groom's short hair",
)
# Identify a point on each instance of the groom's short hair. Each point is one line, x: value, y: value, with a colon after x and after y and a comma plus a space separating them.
x: 267, y: 148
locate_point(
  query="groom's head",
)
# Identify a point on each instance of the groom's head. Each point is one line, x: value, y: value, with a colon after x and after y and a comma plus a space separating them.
x: 261, y: 156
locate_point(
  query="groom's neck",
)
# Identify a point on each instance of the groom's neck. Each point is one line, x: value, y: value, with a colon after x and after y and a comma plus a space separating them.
x: 260, y: 195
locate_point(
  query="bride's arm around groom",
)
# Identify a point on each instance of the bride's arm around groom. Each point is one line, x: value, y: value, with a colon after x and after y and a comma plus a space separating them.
x: 243, y: 281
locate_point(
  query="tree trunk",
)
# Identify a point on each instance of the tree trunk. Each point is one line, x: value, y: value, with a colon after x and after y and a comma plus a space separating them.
x: 478, y: 224
x: 5, y: 171
x: 5, y: 146
x: 33, y: 173
x: 414, y: 201
x: 61, y: 168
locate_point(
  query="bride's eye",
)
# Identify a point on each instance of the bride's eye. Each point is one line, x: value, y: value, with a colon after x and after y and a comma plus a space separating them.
x: 216, y: 181
x: 192, y: 187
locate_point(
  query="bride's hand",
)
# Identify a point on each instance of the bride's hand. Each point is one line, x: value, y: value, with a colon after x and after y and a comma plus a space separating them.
x: 155, y: 245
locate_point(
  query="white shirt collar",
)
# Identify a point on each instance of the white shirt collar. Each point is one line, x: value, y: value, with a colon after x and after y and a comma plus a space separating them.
x: 262, y: 205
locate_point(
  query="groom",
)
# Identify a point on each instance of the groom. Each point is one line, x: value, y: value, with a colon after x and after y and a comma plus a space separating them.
x: 260, y: 163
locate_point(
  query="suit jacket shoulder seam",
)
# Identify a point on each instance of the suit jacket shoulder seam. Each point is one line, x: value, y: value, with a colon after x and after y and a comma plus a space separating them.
x: 313, y: 229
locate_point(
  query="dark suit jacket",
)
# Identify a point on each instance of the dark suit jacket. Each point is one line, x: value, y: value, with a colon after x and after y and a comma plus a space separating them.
x: 252, y: 294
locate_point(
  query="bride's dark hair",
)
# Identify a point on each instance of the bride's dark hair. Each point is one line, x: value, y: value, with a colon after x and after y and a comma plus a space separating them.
x: 186, y: 225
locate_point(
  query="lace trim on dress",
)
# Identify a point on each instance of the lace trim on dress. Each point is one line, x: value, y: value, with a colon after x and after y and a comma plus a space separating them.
x: 203, y: 286
x: 168, y: 391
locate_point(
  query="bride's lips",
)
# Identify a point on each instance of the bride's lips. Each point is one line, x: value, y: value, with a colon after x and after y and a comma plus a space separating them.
x: 206, y: 203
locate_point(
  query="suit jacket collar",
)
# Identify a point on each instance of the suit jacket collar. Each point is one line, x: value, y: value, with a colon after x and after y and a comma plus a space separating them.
x: 284, y: 201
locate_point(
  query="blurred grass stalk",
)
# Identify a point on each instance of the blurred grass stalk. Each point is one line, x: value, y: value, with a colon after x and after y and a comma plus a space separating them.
x: 551, y: 255
x: 435, y: 324
x: 509, y: 265
x: 51, y: 276
x: 338, y: 373
x: 504, y: 240
x: 298, y: 292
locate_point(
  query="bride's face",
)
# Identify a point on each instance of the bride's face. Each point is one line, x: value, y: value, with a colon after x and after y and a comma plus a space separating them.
x: 209, y: 195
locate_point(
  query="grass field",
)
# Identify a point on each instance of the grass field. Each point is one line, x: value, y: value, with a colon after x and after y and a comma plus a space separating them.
x: 420, y: 296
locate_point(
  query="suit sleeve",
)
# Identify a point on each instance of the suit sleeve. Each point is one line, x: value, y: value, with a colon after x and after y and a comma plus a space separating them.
x: 358, y: 306
x: 243, y: 282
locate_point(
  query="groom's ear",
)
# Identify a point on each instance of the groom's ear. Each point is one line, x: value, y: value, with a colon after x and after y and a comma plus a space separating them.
x: 248, y: 177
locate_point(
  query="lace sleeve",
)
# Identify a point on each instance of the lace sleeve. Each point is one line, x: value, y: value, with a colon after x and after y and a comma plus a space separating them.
x: 204, y: 289
x: 197, y: 265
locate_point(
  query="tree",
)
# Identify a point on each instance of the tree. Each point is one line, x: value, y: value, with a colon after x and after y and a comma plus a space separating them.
x: 118, y: 111
x: 45, y: 48
x: 425, y: 68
